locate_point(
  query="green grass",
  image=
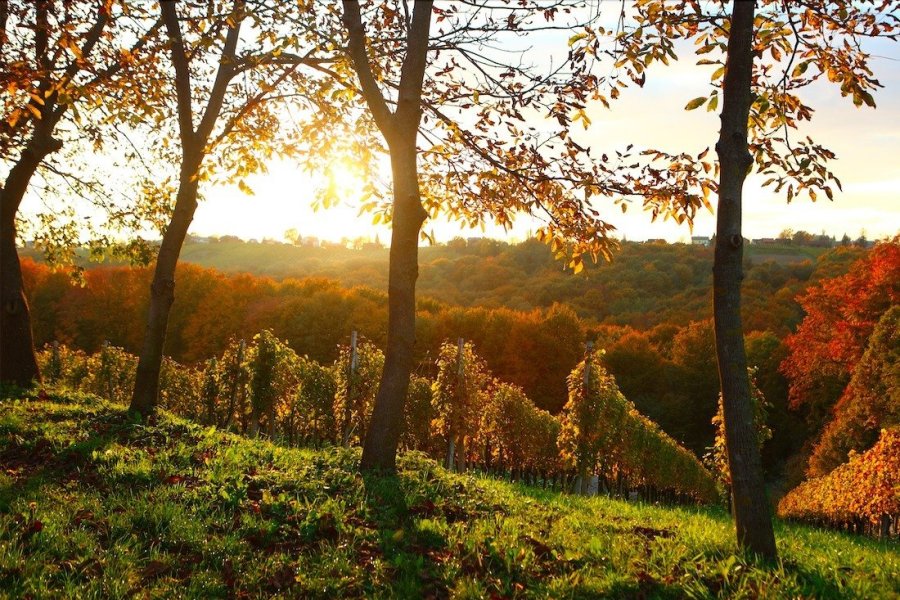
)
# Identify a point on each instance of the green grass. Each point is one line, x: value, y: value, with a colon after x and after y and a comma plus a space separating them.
x: 92, y: 506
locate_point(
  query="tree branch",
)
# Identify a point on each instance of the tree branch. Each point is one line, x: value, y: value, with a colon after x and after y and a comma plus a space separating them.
x: 41, y: 34
x: 412, y: 73
x: 4, y: 17
x: 252, y: 103
x: 356, y: 49
x: 247, y: 63
x: 182, y: 71
x: 224, y: 74
x: 91, y: 39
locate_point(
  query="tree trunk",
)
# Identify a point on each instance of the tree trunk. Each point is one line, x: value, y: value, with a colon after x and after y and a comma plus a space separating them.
x: 451, y: 453
x: 193, y: 149
x: 162, y: 293
x: 461, y: 454
x: 400, y: 129
x: 380, y: 448
x: 254, y: 424
x: 751, y: 507
x: 18, y: 363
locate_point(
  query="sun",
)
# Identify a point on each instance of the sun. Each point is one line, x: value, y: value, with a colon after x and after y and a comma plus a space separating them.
x: 347, y: 181
x: 331, y: 206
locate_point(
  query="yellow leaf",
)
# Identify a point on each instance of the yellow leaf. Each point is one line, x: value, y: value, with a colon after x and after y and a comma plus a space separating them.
x: 576, y: 38
x: 695, y: 103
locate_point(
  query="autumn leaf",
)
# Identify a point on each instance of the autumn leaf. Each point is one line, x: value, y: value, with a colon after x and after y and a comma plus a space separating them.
x: 695, y: 103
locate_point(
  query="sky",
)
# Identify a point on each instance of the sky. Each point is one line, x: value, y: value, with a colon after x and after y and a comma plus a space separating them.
x: 866, y: 141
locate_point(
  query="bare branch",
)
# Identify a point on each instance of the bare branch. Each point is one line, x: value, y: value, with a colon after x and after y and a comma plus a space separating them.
x: 413, y: 71
x: 224, y: 74
x: 182, y: 70
x: 356, y: 49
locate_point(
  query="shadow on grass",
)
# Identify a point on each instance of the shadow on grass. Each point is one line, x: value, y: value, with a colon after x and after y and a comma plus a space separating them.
x: 38, y: 462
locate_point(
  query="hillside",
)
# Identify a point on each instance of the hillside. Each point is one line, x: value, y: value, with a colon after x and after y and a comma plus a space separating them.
x: 93, y: 506
x: 661, y: 290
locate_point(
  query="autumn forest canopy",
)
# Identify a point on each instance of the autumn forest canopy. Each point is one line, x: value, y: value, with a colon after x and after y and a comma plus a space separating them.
x: 414, y: 417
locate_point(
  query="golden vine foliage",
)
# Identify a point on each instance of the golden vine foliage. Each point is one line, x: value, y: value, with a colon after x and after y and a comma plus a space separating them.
x: 458, y: 391
x: 865, y: 488
x: 355, y: 388
x: 717, y: 456
x: 299, y: 402
x: 516, y: 434
x: 603, y: 433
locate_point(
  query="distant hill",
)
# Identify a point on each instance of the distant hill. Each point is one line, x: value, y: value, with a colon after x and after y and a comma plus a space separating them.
x: 646, y: 283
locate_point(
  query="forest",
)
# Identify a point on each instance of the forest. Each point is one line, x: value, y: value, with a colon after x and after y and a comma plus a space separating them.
x: 573, y: 415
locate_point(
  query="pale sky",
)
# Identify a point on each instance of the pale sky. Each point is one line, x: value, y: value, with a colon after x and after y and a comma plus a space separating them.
x: 866, y: 141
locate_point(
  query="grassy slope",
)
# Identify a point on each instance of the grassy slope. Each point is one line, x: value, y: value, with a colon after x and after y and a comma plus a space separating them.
x: 93, y: 507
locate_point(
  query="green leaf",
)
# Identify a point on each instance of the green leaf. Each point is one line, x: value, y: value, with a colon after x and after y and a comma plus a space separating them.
x: 695, y: 103
x: 576, y: 38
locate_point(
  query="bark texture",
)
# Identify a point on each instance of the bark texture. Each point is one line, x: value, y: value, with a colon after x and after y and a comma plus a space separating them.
x: 18, y: 363
x: 752, y: 513
x: 383, y: 436
x: 400, y: 129
x: 162, y: 295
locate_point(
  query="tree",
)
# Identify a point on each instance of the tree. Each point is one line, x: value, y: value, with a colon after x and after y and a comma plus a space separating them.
x: 46, y: 71
x: 870, y: 402
x: 470, y: 175
x: 841, y: 313
x: 236, y: 121
x: 761, y: 108
x: 400, y: 129
x: 751, y: 507
x: 694, y: 355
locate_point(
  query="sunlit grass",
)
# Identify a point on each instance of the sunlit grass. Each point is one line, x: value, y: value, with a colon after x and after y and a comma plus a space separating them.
x: 92, y: 506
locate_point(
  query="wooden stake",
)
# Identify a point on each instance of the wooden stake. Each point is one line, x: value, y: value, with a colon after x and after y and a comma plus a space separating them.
x: 348, y: 410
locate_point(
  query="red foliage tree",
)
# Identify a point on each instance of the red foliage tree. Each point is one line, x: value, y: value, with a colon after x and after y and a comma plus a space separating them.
x: 841, y: 314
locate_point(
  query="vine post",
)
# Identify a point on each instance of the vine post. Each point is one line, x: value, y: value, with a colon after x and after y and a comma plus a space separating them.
x: 351, y: 372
